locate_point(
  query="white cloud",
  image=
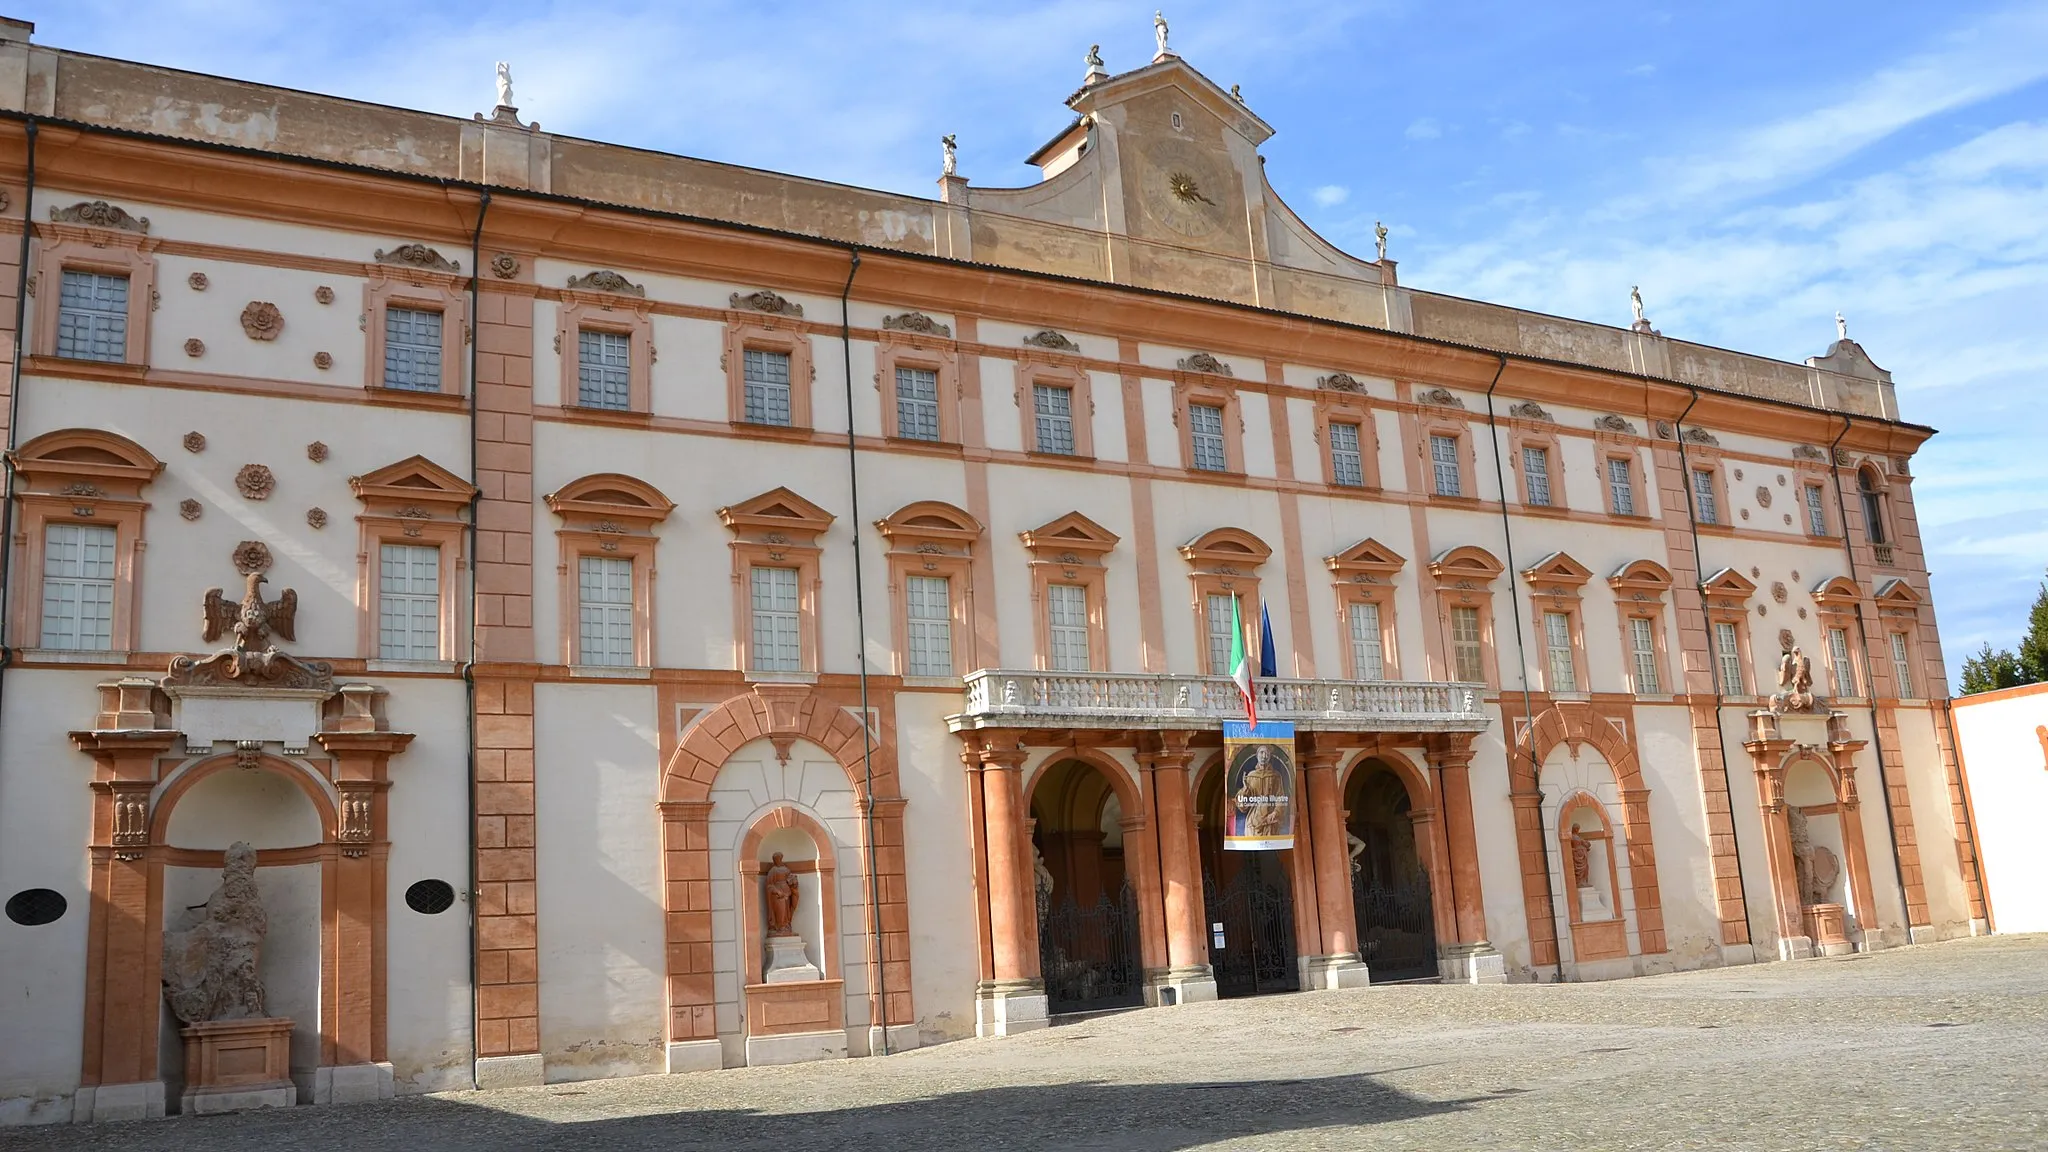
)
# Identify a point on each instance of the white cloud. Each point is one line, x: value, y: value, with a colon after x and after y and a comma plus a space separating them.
x: 1642, y: 70
x: 1424, y: 129
x: 1331, y: 195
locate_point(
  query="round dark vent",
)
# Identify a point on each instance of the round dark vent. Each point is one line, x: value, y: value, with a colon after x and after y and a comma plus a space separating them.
x: 426, y: 897
x: 36, y: 906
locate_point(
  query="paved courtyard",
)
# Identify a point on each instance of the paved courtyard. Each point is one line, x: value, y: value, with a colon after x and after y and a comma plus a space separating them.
x: 1940, y: 1047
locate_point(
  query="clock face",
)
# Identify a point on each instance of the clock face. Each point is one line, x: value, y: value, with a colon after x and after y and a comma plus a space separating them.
x: 1184, y: 189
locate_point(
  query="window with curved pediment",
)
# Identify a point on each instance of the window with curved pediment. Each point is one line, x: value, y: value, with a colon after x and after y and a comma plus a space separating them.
x: 409, y: 567
x: 1639, y: 591
x: 775, y: 555
x: 1069, y: 587
x: 1555, y: 583
x: 1464, y: 579
x: 1364, y: 574
x: 1223, y: 566
x: 607, y: 570
x: 78, y: 536
x: 931, y: 587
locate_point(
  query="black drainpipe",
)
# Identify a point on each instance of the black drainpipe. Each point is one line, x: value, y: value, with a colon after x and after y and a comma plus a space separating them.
x: 1863, y: 640
x: 1522, y: 662
x: 867, y: 742
x: 28, y: 199
x: 476, y: 238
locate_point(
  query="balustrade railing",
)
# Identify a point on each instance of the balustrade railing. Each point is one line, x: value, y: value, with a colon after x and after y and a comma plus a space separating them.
x: 998, y: 697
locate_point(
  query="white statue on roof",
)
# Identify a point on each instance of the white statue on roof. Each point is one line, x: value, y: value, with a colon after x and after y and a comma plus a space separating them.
x: 504, y: 84
x: 1159, y: 33
x: 1635, y: 302
x: 952, y: 159
x: 1841, y: 327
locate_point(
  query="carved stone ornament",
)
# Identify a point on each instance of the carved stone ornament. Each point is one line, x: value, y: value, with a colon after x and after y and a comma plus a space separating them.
x: 354, y: 834
x: 1795, y: 683
x: 316, y: 452
x: 1808, y: 452
x: 417, y: 256
x: 323, y: 294
x: 195, y: 347
x: 1531, y: 410
x: 1785, y: 638
x: 1441, y: 396
x: 917, y: 322
x: 83, y: 488
x: 190, y: 509
x: 195, y: 442
x: 323, y: 361
x: 131, y: 824
x: 1763, y: 496
x: 606, y: 280
x: 252, y: 556
x: 253, y: 659
x: 505, y: 266
x: 1203, y: 362
x: 1842, y: 458
x: 197, y: 281
x: 1614, y: 423
x: 766, y: 301
x: 255, y: 482
x: 262, y: 321
x: 1047, y: 338
x: 1340, y: 382
x: 210, y: 966
x: 1778, y: 592
x: 317, y: 517
x: 1702, y: 436
x: 99, y: 214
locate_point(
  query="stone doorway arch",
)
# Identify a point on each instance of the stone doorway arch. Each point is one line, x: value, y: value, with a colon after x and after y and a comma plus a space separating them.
x: 1390, y: 830
x: 1088, y: 901
x: 1253, y: 896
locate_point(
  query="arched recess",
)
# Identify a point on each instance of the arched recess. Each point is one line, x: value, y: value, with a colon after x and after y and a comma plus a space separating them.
x: 1573, y: 724
x: 1847, y: 806
x: 1266, y: 901
x: 1402, y: 926
x: 782, y: 714
x: 1589, y: 863
x: 812, y: 1001
x: 1100, y: 925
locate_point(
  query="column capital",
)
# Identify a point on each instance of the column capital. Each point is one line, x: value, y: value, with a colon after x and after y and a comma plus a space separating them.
x: 1452, y: 750
x: 688, y: 810
x: 1165, y: 749
x: 992, y: 752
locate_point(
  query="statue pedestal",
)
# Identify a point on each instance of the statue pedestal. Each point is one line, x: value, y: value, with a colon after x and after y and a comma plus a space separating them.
x: 787, y: 963
x: 235, y: 1064
x: 1828, y: 927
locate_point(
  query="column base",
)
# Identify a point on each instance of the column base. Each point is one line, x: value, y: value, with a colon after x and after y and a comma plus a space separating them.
x: 1921, y: 934
x: 796, y: 1047
x: 1795, y: 947
x: 213, y: 1101
x: 695, y: 1056
x: 349, y: 1084
x: 1471, y: 964
x: 902, y: 1038
x: 1007, y: 1007
x: 1980, y: 927
x: 1344, y: 970
x: 1188, y: 984
x: 525, y: 1070
x: 1732, y: 954
x: 99, y: 1103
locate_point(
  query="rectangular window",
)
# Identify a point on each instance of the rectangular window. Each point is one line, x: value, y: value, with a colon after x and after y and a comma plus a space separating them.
x: 1368, y: 650
x: 1621, y: 487
x: 1557, y: 649
x: 1205, y: 429
x: 1066, y: 617
x: 1347, y: 466
x: 409, y: 602
x: 1728, y: 651
x: 1816, y: 511
x: 605, y: 607
x: 1443, y: 458
x: 1536, y: 476
x: 1054, y: 407
x: 1466, y: 663
x: 92, y: 316
x: 1703, y: 496
x: 1838, y: 661
x: 777, y: 643
x: 412, y: 349
x: 928, y: 624
x: 1873, y: 515
x: 1902, y: 667
x: 1219, y: 635
x: 78, y: 587
x: 604, y: 370
x: 917, y: 403
x: 1642, y: 645
x: 767, y: 386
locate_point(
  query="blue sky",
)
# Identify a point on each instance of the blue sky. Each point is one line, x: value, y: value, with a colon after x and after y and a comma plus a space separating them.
x: 1754, y: 166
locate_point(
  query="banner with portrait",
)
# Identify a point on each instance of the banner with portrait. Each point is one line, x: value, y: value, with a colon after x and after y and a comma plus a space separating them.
x: 1258, y: 786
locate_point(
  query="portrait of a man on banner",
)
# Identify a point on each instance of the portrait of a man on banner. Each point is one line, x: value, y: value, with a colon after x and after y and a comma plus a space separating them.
x: 1258, y: 786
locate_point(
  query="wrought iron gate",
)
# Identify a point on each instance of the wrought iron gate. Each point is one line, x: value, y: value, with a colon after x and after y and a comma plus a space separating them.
x: 1089, y: 954
x: 1253, y: 952
x: 1396, y: 927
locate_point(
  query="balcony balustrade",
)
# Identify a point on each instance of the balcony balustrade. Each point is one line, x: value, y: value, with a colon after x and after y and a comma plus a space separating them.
x: 1006, y: 698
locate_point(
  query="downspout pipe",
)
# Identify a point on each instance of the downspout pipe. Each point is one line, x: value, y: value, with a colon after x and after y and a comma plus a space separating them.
x: 476, y: 238
x: 878, y: 964
x: 28, y: 199
x: 1699, y: 573
x: 1891, y: 826
x: 1507, y: 534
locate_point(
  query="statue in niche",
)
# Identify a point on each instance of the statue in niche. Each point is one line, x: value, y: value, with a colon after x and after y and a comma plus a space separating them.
x: 782, y: 896
x: 1041, y: 882
x: 1582, y: 860
x: 209, y: 968
x: 1814, y: 866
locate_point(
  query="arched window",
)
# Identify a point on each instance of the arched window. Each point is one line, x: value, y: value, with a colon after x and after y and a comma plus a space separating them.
x: 1867, y: 486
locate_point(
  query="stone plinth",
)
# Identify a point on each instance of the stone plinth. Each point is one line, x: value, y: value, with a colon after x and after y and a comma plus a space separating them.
x: 235, y: 1064
x: 1471, y: 964
x: 1007, y: 1007
x: 787, y: 963
x: 807, y: 1006
x: 1828, y: 927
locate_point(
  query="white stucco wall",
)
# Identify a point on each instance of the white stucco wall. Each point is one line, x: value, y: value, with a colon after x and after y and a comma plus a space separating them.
x: 2007, y: 768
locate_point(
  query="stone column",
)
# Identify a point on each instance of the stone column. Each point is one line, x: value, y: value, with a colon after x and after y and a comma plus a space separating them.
x: 1338, y: 966
x: 1014, y: 999
x: 1188, y: 976
x: 1472, y: 960
x: 353, y: 979
x: 1855, y: 852
x: 1767, y: 751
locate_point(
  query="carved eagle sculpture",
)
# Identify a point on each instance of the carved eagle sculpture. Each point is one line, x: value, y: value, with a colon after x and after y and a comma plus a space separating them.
x: 252, y: 620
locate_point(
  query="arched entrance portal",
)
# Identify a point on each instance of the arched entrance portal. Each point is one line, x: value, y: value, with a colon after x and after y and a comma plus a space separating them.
x: 1390, y: 891
x: 1249, y: 898
x: 1087, y: 910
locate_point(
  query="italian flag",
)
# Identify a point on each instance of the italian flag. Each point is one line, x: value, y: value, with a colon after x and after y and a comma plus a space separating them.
x: 1241, y: 665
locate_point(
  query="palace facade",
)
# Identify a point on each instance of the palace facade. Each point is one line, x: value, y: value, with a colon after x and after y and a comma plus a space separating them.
x: 593, y: 526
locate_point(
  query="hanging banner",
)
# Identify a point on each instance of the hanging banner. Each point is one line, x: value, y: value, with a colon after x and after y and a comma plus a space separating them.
x: 1258, y: 786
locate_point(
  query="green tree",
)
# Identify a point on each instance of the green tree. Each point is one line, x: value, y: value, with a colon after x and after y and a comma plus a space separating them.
x: 1990, y: 670
x: 2033, y: 653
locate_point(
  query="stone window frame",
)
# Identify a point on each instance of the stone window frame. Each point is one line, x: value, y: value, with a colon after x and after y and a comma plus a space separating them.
x: 766, y: 332
x: 1639, y: 590
x: 1432, y: 424
x: 896, y: 348
x: 1609, y: 445
x: 1035, y: 367
x: 1364, y: 574
x: 1463, y: 578
x: 411, y: 501
x: 1348, y: 408
x: 1881, y: 491
x: 1898, y: 613
x: 1703, y: 458
x: 1556, y: 584
x: 1071, y: 549
x: 1529, y: 435
x: 777, y: 529
x: 1726, y: 594
x: 117, y: 250
x: 932, y: 538
x: 1834, y: 606
x: 1192, y: 388
x: 421, y: 288
x: 88, y: 477
x: 610, y: 515
x: 1224, y: 562
x: 628, y: 316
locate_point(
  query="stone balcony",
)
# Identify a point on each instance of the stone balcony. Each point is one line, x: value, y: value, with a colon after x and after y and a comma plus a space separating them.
x: 1007, y: 698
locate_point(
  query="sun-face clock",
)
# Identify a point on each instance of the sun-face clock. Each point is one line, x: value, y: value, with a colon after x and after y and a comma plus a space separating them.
x: 1184, y: 189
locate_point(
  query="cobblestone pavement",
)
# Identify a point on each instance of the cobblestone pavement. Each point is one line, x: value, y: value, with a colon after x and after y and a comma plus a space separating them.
x: 1941, y: 1046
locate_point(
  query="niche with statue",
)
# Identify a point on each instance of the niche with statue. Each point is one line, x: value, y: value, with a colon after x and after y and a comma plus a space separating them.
x: 1593, y: 896
x: 789, y: 904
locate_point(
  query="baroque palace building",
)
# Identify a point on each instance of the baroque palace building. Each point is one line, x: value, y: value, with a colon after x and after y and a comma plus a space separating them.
x: 593, y: 532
